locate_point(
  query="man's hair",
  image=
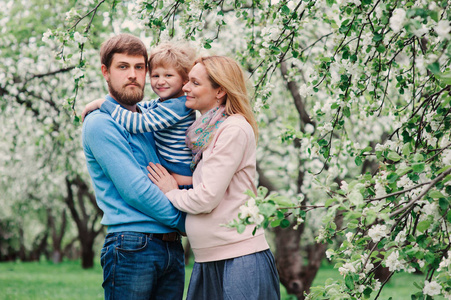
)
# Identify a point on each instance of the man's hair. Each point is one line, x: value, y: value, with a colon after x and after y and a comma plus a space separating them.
x: 124, y: 44
x: 179, y: 56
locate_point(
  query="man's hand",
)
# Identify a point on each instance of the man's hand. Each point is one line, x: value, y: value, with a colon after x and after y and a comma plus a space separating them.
x: 161, y: 177
x: 93, y: 105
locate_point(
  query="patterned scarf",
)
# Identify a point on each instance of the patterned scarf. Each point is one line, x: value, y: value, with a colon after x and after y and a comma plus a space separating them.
x: 201, y: 132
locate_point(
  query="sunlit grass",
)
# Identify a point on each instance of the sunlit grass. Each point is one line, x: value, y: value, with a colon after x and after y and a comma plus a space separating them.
x: 48, y: 281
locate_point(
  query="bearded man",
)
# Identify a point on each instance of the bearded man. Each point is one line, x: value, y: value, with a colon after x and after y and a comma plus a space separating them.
x: 142, y: 256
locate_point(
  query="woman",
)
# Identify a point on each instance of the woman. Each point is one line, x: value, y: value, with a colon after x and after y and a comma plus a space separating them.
x: 228, y: 265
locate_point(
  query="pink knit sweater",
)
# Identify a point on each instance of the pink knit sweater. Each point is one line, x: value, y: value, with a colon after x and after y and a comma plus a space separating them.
x: 227, y: 169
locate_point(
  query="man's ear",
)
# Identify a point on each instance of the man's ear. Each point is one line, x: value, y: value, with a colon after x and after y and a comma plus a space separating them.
x: 105, y: 72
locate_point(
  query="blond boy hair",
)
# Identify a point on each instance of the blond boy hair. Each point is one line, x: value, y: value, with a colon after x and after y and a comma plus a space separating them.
x: 179, y: 56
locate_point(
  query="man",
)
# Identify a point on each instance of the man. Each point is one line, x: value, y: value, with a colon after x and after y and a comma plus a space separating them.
x: 142, y: 257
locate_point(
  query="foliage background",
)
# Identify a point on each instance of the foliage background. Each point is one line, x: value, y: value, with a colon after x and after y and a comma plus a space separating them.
x: 353, y: 103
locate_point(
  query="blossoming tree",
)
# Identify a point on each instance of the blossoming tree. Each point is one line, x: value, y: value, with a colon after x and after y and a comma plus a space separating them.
x: 353, y: 102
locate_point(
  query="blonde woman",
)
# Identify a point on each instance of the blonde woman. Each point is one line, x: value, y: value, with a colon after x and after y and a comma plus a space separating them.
x: 228, y: 265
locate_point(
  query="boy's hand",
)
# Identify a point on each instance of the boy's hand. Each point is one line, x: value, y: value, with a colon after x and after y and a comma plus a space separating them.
x: 90, y: 107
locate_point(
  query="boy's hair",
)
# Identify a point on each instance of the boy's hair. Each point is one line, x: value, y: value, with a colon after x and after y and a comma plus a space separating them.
x: 179, y: 56
x: 123, y: 43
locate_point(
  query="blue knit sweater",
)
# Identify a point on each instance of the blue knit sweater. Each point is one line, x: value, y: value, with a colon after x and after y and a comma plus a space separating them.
x: 117, y: 161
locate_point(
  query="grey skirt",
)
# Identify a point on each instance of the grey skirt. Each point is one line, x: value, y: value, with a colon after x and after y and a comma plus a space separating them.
x: 250, y: 277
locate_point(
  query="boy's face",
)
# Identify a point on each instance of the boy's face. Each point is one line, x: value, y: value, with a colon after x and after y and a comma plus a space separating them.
x: 166, y: 83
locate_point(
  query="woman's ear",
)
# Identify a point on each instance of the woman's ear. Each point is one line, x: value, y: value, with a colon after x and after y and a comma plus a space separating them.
x: 220, y: 93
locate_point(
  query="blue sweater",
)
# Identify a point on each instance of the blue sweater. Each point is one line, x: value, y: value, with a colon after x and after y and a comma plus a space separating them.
x: 168, y: 120
x: 117, y: 161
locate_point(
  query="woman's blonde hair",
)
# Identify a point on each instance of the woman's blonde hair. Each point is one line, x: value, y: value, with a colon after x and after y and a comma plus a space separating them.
x: 224, y: 72
x: 177, y: 55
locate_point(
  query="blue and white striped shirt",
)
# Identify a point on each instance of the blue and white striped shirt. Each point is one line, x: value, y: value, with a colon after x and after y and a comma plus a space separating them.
x: 168, y: 120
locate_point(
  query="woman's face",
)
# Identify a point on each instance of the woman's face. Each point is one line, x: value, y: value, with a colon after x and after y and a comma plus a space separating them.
x: 200, y: 94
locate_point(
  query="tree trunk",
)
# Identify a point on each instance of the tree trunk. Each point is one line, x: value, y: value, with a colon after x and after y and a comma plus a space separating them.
x: 86, y: 220
x: 87, y: 253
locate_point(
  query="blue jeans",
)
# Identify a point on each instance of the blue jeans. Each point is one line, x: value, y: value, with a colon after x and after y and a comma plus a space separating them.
x: 137, y: 266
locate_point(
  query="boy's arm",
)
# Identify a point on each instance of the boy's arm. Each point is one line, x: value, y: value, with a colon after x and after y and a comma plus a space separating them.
x: 108, y: 144
x: 162, y: 115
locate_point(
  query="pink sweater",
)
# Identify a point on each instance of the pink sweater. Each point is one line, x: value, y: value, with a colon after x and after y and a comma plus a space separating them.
x: 227, y: 169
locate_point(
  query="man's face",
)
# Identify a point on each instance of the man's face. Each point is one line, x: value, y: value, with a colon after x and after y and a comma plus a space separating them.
x: 126, y: 78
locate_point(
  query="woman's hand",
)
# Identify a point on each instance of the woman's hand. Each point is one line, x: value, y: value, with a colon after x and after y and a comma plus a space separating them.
x: 93, y: 105
x: 161, y: 177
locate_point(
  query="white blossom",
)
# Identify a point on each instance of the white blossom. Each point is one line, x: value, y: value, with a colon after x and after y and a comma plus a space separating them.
x: 46, y: 36
x: 377, y: 232
x: 347, y: 268
x: 394, y: 263
x: 397, y: 19
x: 445, y: 263
x: 251, y: 211
x: 446, y: 157
x: 79, y: 38
x: 432, y: 288
x: 443, y: 29
x: 78, y: 73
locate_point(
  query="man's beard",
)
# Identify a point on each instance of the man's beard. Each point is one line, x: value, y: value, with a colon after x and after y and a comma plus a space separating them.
x: 127, y: 96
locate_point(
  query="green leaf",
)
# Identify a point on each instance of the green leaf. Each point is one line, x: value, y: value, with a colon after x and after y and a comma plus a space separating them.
x: 444, y: 77
x: 443, y: 203
x: 329, y: 202
x: 377, y: 37
x: 406, y: 149
x: 358, y: 161
x: 423, y: 225
x: 393, y: 156
x: 381, y: 48
x: 443, y: 170
x: 434, y: 68
x: 436, y: 194
x: 346, y: 111
x: 284, y: 223
x: 322, y: 142
x: 285, y: 10
x: 418, y: 167
x: 241, y: 228
x: 349, y: 281
x: 448, y: 216
x: 330, y: 2
x: 392, y: 177
x: 275, y: 223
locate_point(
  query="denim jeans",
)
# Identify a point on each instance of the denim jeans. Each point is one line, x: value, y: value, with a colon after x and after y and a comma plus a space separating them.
x: 137, y: 267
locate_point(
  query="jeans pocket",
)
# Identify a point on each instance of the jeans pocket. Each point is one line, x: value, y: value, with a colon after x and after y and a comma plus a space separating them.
x: 131, y: 243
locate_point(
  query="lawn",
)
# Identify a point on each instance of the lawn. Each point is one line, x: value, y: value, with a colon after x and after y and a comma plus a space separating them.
x: 48, y: 281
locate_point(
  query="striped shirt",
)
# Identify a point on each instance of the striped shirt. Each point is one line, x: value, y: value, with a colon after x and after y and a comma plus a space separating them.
x: 168, y: 120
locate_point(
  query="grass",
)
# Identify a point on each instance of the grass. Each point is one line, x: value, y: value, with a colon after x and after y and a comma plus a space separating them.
x: 48, y: 281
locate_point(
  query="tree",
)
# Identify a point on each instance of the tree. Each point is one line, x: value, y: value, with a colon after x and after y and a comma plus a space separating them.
x: 353, y: 102
x: 42, y: 142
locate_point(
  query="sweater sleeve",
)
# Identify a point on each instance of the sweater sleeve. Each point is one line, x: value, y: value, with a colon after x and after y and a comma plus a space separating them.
x: 156, y: 116
x: 217, y: 172
x: 109, y: 146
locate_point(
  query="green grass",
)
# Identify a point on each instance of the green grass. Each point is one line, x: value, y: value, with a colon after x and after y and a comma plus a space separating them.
x: 48, y: 281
